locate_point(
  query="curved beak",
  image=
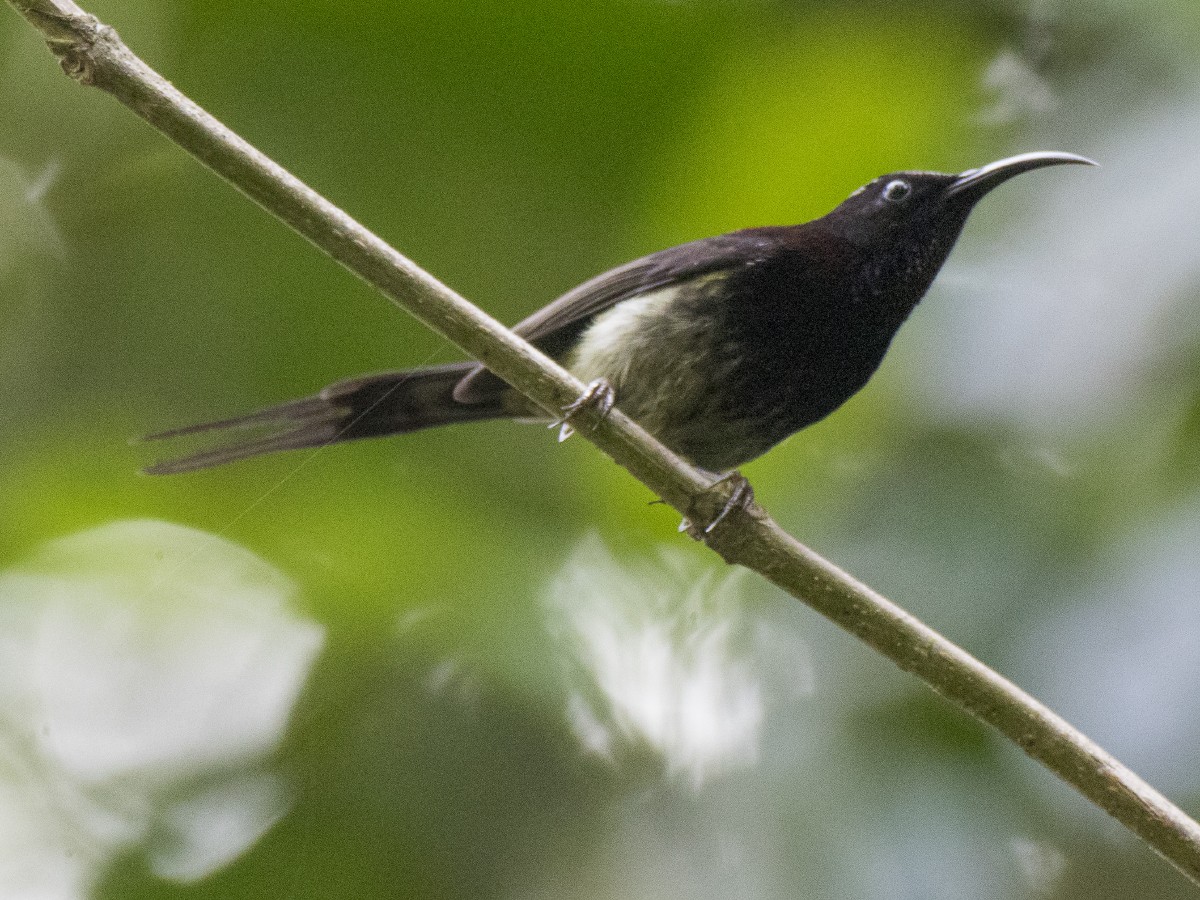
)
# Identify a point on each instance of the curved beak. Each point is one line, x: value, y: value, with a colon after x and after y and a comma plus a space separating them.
x: 974, y: 183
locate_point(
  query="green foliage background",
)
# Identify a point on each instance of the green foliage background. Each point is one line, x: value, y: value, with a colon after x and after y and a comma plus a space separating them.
x: 515, y: 150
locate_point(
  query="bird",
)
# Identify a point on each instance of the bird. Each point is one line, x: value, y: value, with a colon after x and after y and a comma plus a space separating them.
x: 720, y: 347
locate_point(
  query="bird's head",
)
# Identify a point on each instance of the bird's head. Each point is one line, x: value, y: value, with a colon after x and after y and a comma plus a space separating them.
x: 914, y: 207
x: 904, y: 224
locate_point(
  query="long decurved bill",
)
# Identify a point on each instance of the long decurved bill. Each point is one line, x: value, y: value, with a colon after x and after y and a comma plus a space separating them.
x: 974, y: 183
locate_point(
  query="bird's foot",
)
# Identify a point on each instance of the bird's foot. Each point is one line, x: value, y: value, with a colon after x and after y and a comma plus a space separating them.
x: 599, y: 396
x: 741, y: 497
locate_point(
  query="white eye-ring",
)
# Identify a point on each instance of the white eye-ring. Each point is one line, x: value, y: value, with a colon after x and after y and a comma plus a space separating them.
x: 896, y: 191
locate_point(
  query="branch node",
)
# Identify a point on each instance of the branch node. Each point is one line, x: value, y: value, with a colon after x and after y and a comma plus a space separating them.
x: 73, y: 38
x: 77, y: 62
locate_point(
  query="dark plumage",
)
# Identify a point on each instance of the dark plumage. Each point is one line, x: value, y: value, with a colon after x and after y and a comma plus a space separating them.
x: 720, y: 347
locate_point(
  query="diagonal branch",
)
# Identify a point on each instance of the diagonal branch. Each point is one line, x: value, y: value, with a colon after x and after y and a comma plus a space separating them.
x: 92, y: 53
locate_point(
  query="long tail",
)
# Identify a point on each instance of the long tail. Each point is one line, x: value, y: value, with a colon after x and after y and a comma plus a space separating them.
x: 370, y: 406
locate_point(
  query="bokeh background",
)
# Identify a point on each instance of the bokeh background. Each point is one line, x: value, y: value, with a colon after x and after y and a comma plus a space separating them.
x: 476, y: 663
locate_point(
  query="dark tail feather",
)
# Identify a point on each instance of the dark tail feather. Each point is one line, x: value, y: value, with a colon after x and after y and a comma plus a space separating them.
x: 370, y: 406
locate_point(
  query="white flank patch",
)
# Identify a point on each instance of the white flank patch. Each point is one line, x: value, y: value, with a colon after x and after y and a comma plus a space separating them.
x: 607, y: 348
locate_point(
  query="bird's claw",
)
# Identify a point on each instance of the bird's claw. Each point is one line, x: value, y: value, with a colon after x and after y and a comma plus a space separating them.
x: 741, y: 497
x: 598, y: 395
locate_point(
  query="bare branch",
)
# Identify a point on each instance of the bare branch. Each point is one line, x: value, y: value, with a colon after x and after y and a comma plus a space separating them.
x: 92, y: 53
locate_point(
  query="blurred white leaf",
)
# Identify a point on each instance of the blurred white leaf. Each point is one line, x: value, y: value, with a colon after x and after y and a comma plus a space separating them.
x: 661, y: 655
x: 137, y: 658
x: 213, y: 828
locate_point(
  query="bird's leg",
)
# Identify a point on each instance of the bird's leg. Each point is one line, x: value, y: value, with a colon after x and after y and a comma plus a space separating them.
x: 598, y: 395
x: 741, y: 497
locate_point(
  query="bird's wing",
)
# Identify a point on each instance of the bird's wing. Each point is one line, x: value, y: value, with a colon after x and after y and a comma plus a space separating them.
x: 554, y: 328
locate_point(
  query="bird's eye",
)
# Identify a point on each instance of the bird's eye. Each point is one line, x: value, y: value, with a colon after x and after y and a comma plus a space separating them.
x: 896, y: 191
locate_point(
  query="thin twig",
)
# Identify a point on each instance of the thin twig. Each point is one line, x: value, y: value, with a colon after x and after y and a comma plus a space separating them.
x: 91, y: 52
